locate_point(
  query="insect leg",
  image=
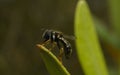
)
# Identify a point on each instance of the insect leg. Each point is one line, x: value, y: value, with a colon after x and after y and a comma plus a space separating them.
x: 53, y: 45
x: 61, y: 51
x: 60, y: 55
x: 45, y: 42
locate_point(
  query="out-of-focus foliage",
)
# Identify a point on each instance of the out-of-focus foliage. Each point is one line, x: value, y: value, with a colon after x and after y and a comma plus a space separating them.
x: 114, y: 11
x: 88, y: 48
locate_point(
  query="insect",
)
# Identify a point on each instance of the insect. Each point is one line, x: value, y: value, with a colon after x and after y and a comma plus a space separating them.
x: 58, y: 38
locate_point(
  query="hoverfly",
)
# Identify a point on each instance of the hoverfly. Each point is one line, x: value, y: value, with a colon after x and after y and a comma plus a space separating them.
x: 58, y: 38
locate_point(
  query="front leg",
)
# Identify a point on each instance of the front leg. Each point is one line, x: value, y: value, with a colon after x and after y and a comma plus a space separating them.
x: 53, y: 45
x: 45, y: 42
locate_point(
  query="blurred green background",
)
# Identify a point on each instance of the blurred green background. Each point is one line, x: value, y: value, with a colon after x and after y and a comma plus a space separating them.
x: 22, y: 23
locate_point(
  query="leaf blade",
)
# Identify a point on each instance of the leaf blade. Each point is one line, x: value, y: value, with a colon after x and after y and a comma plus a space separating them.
x: 88, y: 49
x: 53, y: 65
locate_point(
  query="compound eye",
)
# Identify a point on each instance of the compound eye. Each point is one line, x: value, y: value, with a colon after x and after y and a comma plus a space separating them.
x: 46, y: 34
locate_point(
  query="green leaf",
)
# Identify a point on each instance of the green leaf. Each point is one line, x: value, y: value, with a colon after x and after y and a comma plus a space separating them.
x: 107, y: 36
x: 114, y: 9
x: 88, y: 48
x: 54, y: 66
